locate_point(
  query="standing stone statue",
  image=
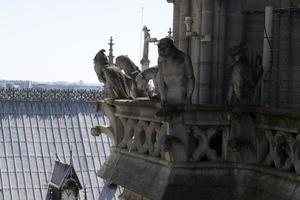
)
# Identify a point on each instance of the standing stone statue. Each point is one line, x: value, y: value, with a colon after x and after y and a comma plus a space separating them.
x: 245, y: 78
x: 117, y: 83
x: 175, y: 72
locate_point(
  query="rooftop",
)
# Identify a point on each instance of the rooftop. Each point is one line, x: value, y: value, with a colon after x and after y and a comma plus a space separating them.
x: 39, y: 127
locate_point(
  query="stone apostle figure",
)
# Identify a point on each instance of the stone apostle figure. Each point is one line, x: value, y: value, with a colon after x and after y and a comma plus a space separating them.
x: 245, y: 78
x: 117, y: 83
x: 175, y: 72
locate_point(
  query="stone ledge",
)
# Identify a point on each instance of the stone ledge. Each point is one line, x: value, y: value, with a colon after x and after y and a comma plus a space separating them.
x: 159, y: 179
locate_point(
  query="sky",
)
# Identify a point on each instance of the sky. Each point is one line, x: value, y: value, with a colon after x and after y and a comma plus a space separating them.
x: 56, y: 40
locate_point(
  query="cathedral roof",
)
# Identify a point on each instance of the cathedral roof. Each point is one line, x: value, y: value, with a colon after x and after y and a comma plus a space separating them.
x: 38, y: 127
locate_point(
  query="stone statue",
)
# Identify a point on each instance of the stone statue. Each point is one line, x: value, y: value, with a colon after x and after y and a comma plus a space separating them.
x: 100, y: 58
x: 124, y: 63
x: 175, y: 73
x: 130, y: 69
x: 142, y: 82
x: 117, y: 83
x: 146, y: 32
x: 245, y: 78
x: 145, y: 60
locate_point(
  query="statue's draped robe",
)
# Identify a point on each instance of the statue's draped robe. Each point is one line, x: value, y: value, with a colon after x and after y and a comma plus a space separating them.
x: 117, y: 82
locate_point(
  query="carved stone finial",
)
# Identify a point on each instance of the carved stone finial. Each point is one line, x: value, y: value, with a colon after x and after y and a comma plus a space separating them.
x: 111, y: 56
x: 170, y: 33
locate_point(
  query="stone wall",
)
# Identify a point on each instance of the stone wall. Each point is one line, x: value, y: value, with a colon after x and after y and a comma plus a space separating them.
x: 222, y: 24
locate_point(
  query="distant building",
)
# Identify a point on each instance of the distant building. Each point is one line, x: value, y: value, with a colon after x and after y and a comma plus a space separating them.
x: 8, y: 84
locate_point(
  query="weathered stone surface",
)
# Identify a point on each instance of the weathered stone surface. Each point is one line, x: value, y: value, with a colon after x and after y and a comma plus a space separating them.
x: 210, y: 152
x: 156, y: 179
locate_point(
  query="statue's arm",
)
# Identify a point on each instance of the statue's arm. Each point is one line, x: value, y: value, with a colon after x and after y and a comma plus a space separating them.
x: 190, y: 79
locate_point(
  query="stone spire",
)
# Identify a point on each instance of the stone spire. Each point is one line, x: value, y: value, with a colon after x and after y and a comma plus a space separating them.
x: 145, y: 60
x: 110, y: 55
x: 170, y: 33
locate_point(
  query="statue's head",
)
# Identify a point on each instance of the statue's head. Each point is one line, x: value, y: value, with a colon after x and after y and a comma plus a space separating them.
x: 122, y: 61
x: 239, y: 51
x: 101, y: 58
x: 165, y: 47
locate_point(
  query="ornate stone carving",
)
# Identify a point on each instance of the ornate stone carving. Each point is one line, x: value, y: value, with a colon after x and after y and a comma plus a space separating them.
x: 244, y: 85
x: 110, y: 130
x: 124, y: 63
x: 142, y: 136
x: 278, y: 141
x: 202, y: 134
x: 281, y: 152
x: 211, y: 143
x: 175, y: 72
x: 142, y: 82
x: 50, y: 95
x: 117, y: 83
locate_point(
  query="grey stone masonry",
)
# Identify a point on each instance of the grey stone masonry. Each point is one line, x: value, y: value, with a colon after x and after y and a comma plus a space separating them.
x: 212, y: 152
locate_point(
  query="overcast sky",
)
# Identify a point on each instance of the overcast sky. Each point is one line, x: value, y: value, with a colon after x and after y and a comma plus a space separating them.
x: 56, y: 40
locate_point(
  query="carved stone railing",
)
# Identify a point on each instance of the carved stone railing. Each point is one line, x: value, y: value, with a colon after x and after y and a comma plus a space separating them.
x: 50, y: 95
x: 186, y: 135
x: 278, y: 139
x: 156, y: 151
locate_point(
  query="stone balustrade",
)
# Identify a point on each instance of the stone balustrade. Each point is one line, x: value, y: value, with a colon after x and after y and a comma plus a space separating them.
x: 201, y: 149
x: 278, y: 139
x: 187, y: 135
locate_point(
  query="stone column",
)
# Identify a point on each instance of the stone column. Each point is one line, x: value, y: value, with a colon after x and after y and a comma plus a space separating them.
x: 267, y: 56
x: 176, y: 13
x: 183, y: 40
x: 110, y: 55
x: 207, y: 21
x: 218, y: 87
